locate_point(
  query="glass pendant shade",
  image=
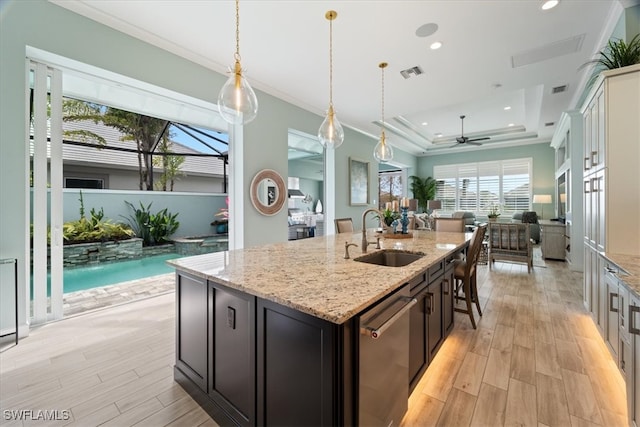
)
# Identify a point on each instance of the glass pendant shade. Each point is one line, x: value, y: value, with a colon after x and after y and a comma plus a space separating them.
x: 383, y: 152
x: 237, y: 101
x: 331, y: 134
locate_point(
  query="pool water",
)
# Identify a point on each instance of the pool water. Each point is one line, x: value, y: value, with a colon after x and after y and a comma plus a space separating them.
x: 109, y: 273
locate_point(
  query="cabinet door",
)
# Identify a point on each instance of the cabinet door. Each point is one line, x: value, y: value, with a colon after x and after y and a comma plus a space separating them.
x: 603, y: 300
x: 435, y: 330
x: 296, y: 362
x: 418, y: 354
x: 233, y: 377
x: 191, y: 328
x: 586, y: 280
x: 599, y: 193
x: 599, y: 147
x: 633, y: 384
x: 586, y: 142
x: 448, y: 296
x: 587, y: 210
x: 613, y: 313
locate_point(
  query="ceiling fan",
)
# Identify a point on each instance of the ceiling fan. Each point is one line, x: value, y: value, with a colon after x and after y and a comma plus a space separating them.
x: 461, y: 140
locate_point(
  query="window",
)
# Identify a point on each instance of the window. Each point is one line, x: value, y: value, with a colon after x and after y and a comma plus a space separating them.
x: 84, y: 183
x: 389, y: 187
x: 475, y: 187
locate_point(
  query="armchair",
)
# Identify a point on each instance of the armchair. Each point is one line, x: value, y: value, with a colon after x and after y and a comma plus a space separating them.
x: 510, y: 242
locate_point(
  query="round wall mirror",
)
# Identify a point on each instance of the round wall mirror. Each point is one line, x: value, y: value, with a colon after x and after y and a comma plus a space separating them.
x: 268, y: 192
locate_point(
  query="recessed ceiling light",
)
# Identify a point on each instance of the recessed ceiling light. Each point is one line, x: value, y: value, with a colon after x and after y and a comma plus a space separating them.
x: 438, y: 134
x: 549, y: 4
x: 507, y: 108
x: 436, y: 45
x: 511, y: 124
x: 427, y: 29
x: 424, y: 123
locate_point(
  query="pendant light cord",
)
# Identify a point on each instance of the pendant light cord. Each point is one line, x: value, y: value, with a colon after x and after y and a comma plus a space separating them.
x: 382, y: 68
x: 237, y: 55
x: 330, y: 62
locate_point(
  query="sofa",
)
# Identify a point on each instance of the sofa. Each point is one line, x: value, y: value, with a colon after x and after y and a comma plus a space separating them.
x: 469, y: 217
x: 531, y: 218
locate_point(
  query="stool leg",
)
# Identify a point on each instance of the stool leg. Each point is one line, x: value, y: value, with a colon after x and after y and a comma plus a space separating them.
x: 467, y: 297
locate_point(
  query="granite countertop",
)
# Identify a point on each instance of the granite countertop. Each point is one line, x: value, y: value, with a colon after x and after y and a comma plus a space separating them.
x: 311, y: 275
x: 630, y: 264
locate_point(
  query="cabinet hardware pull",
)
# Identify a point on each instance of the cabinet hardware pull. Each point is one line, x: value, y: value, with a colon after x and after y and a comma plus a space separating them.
x: 586, y: 187
x: 593, y: 156
x: 612, y: 295
x: 446, y: 289
x: 377, y: 333
x: 430, y: 305
x: 586, y: 163
x: 632, y: 329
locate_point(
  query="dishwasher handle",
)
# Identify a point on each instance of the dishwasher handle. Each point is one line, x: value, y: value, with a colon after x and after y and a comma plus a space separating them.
x: 376, y: 333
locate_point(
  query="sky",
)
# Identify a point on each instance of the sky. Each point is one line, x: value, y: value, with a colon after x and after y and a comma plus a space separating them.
x: 188, y: 141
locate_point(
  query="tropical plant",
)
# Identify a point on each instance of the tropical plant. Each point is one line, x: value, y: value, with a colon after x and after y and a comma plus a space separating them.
x: 153, y: 229
x: 162, y: 225
x: 94, y: 229
x: 423, y: 190
x: 171, y: 165
x: 388, y: 216
x: 618, y: 54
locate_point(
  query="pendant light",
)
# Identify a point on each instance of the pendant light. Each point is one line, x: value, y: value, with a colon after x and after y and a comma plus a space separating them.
x: 331, y: 134
x: 237, y: 101
x: 383, y: 152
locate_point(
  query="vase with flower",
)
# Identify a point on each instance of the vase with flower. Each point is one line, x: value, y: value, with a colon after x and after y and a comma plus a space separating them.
x: 494, y: 212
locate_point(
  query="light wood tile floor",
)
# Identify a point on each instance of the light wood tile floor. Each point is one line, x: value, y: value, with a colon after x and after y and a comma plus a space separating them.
x: 536, y: 359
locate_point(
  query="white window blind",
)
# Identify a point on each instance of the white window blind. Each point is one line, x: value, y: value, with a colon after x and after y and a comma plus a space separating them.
x: 475, y: 187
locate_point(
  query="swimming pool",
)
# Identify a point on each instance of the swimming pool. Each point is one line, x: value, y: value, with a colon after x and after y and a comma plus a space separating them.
x: 109, y: 273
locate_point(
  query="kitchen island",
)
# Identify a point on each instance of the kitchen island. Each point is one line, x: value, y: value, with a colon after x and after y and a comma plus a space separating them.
x: 269, y: 335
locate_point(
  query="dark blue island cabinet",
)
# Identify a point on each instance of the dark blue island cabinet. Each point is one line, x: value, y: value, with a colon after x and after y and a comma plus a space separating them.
x: 248, y: 361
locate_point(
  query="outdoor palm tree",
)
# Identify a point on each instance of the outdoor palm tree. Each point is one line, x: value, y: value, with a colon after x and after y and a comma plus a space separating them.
x: 146, y: 131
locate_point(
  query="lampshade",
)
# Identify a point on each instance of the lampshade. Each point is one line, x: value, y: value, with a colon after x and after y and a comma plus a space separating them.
x: 434, y: 204
x: 237, y: 101
x: 542, y: 198
x: 563, y: 197
x: 383, y: 153
x: 331, y: 134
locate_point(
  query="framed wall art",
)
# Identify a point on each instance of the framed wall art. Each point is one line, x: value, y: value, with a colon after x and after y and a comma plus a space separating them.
x: 358, y: 182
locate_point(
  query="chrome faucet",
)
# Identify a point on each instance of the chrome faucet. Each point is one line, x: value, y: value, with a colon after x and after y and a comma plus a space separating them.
x: 366, y: 243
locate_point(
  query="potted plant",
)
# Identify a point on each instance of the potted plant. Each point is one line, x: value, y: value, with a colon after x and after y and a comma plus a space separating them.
x: 388, y: 216
x: 423, y: 190
x: 494, y: 212
x: 616, y: 54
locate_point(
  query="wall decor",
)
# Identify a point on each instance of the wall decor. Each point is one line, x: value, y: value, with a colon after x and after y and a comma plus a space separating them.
x: 358, y: 182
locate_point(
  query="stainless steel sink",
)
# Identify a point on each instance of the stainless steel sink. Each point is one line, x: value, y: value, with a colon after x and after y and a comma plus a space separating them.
x: 390, y: 258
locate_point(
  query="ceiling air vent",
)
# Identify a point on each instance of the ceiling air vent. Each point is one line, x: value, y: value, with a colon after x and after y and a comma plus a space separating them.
x: 549, y: 124
x: 410, y: 72
x: 559, y: 89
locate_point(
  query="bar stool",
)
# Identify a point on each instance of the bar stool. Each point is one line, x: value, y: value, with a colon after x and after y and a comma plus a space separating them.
x: 465, y: 275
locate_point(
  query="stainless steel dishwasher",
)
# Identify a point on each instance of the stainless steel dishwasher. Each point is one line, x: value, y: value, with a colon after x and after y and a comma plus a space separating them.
x: 383, y: 374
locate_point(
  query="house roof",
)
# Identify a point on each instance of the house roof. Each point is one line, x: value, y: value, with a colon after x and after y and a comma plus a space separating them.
x: 82, y: 155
